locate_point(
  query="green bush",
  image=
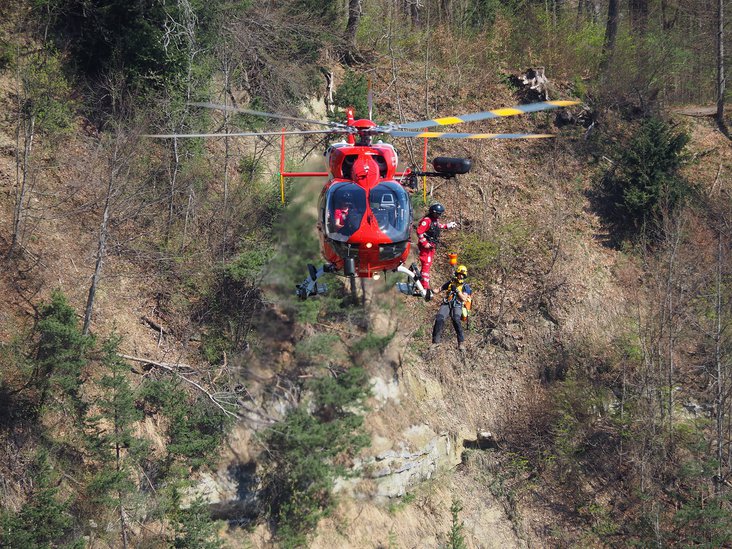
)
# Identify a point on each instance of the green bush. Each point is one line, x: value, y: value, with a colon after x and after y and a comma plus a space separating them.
x: 335, y: 396
x: 372, y: 342
x: 193, y: 527
x: 645, y: 184
x: 477, y: 252
x: 196, y: 427
x: 307, y: 452
x: 247, y: 267
x: 232, y: 300
x: 307, y: 311
x: 44, y: 521
x: 46, y: 93
x: 353, y: 92
x: 317, y: 347
x: 61, y: 352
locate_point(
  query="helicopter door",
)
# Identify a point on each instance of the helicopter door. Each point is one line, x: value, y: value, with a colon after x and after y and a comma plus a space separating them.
x: 346, y: 205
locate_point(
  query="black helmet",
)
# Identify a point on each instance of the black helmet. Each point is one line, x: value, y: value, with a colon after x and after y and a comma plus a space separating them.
x: 436, y: 209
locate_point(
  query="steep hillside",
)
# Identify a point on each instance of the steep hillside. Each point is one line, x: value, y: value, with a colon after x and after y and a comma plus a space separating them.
x: 202, y: 403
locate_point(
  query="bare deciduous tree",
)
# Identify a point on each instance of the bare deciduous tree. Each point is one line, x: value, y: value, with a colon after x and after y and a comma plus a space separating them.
x: 721, y: 78
x: 611, y: 31
x: 349, y: 37
x: 112, y: 175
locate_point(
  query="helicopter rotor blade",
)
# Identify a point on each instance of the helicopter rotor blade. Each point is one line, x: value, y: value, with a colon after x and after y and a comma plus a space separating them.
x: 244, y: 134
x: 266, y: 114
x: 441, y: 135
x: 476, y: 116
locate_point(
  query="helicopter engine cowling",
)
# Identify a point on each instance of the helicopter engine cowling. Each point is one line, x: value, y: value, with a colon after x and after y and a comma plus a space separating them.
x: 340, y: 158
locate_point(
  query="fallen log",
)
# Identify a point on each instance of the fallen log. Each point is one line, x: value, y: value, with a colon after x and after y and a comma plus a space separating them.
x: 175, y: 369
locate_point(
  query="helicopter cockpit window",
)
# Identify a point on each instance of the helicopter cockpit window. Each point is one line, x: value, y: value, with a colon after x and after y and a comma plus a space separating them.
x: 346, y: 204
x: 389, y: 203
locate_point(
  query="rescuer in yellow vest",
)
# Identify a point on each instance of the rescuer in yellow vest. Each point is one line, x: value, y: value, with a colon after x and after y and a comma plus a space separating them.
x: 457, y: 296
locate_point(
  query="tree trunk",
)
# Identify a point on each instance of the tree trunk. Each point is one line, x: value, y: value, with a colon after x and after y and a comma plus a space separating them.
x: 414, y: 13
x: 611, y: 31
x: 667, y: 23
x: 721, y: 80
x: 328, y: 90
x: 173, y: 189
x: 21, y: 177
x: 120, y: 496
x: 114, y: 166
x: 638, y: 10
x: 719, y: 396
x: 349, y: 36
x: 101, y: 250
x: 226, y: 69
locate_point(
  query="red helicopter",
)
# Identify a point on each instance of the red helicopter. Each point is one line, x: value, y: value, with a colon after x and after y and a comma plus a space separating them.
x: 365, y: 213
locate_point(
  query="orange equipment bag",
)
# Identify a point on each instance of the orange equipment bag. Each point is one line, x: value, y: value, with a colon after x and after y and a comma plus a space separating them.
x: 467, y: 306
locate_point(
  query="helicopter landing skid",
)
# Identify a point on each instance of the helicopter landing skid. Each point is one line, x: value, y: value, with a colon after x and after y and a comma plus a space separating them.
x: 414, y: 285
x: 310, y: 286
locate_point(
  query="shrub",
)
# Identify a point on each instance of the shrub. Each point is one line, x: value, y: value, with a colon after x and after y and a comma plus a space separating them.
x: 196, y: 428
x: 61, y: 351
x: 353, y: 92
x: 306, y: 452
x: 233, y: 300
x: 44, y: 521
x: 317, y: 347
x: 46, y: 93
x: 455, y: 539
x: 193, y: 527
x: 644, y: 184
x: 477, y: 252
x: 372, y: 341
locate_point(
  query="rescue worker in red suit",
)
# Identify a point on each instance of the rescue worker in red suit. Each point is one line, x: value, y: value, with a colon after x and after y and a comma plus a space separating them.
x: 428, y: 234
x: 341, y: 212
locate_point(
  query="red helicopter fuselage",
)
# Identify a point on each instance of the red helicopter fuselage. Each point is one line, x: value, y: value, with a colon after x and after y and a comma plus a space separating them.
x: 364, y: 213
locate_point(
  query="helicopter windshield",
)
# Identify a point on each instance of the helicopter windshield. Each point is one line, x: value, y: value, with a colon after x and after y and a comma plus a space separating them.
x: 389, y: 203
x: 344, y: 210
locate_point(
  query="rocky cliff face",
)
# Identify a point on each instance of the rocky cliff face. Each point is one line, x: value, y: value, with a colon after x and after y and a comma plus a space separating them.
x: 404, y: 484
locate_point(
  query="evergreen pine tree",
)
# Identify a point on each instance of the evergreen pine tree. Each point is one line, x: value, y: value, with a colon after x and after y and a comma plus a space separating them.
x: 195, y: 428
x: 645, y: 183
x: 194, y: 528
x: 44, y: 521
x: 61, y: 352
x: 306, y: 453
x: 650, y: 165
x: 353, y: 92
x: 111, y: 437
x: 456, y: 539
